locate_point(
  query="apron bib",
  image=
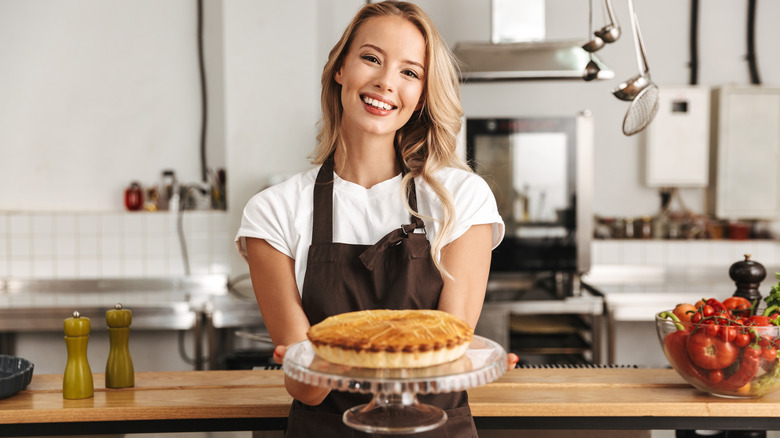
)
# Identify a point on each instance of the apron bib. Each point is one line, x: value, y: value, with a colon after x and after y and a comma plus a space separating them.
x: 395, y: 273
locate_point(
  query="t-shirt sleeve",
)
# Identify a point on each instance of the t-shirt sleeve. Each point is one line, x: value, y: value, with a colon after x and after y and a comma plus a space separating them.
x: 475, y: 205
x: 266, y: 216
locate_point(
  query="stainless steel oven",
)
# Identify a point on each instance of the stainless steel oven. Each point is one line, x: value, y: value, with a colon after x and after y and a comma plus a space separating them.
x: 541, y: 173
x: 540, y: 170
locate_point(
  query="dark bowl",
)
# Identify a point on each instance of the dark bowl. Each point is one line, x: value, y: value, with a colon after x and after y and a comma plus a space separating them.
x: 15, y: 374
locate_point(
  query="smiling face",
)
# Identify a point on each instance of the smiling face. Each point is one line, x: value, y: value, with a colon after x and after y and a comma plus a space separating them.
x: 382, y: 76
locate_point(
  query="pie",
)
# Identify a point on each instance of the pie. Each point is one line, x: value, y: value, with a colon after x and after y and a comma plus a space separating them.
x: 391, y: 338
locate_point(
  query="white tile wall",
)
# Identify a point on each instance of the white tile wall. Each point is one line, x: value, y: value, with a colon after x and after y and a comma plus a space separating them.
x: 90, y: 245
x: 681, y: 253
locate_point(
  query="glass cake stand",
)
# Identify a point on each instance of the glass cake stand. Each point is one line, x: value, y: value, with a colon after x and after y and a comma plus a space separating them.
x: 394, y: 407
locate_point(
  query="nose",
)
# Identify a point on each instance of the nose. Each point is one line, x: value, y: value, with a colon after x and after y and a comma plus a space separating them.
x: 384, y: 80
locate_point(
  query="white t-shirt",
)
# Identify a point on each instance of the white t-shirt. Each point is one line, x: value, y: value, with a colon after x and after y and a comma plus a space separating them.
x: 282, y: 214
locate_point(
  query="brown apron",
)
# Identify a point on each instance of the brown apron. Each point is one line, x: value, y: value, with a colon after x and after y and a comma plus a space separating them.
x: 395, y: 273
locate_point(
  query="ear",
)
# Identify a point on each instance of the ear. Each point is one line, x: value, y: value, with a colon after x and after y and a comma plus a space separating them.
x: 338, y: 75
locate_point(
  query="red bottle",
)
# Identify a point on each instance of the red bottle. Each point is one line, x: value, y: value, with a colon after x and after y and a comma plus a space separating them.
x: 134, y: 197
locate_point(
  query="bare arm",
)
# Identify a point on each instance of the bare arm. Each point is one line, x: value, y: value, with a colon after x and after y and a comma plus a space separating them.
x: 273, y: 280
x: 467, y: 259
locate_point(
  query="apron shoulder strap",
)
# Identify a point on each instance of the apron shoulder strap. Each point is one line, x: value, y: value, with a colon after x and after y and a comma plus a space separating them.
x: 412, y: 198
x: 322, y: 231
x: 411, y: 194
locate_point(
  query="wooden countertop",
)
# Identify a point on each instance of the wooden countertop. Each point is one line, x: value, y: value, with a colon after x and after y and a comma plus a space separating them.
x: 251, y: 400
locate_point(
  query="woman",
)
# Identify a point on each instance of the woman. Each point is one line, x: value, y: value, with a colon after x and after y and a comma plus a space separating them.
x: 354, y: 233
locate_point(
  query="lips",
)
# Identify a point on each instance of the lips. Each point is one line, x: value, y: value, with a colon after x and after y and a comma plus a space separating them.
x: 377, y: 103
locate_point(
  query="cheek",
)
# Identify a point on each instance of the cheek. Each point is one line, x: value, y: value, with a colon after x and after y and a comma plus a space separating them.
x: 413, y: 98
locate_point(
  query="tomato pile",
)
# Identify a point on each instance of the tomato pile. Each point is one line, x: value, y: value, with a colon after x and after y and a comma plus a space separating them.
x: 725, y: 347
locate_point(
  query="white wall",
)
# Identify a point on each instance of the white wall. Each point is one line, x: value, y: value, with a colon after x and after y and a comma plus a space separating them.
x: 95, y: 94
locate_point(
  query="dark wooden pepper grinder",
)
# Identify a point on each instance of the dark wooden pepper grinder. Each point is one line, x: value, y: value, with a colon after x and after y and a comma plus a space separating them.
x: 748, y: 275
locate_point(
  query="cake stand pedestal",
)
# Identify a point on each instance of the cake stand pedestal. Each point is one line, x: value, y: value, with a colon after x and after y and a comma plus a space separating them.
x: 394, y: 408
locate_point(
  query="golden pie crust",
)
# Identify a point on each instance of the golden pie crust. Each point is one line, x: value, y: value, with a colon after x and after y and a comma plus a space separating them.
x: 391, y: 338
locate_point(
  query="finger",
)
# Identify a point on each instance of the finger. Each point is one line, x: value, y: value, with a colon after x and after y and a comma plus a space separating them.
x: 511, y: 360
x: 279, y: 353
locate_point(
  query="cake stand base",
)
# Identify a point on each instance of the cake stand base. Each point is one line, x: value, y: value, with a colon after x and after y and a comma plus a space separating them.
x: 394, y: 414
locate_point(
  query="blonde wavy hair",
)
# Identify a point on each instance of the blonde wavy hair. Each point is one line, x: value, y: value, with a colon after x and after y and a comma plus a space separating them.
x: 427, y: 142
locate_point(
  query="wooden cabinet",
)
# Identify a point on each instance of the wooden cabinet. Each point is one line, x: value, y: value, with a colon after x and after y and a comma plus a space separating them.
x: 745, y: 153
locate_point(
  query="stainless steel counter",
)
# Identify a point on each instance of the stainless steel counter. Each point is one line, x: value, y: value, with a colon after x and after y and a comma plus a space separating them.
x: 171, y: 303
x: 160, y: 316
x: 638, y: 293
x: 157, y: 303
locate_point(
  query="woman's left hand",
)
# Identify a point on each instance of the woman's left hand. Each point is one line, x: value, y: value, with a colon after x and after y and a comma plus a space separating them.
x: 511, y: 361
x: 279, y: 352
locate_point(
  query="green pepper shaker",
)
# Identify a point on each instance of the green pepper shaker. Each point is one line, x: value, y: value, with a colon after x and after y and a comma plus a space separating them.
x: 77, y: 379
x: 119, y: 367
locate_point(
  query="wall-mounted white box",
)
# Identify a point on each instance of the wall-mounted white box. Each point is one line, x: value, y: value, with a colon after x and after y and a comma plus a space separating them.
x: 677, y: 146
x: 745, y: 171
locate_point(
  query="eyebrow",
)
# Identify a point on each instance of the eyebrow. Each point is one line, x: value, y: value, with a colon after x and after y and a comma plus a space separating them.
x: 379, y: 49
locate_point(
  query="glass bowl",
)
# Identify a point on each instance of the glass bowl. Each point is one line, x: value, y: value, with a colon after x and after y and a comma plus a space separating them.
x: 727, y: 361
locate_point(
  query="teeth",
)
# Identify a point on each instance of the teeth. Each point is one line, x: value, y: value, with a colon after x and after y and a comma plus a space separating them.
x: 376, y: 103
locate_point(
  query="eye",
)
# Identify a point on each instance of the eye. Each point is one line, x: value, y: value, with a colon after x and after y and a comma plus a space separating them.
x: 370, y: 58
x: 411, y: 74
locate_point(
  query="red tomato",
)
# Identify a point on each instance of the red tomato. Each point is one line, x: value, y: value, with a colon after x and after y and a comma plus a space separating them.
x: 710, y: 327
x: 707, y: 310
x: 741, y: 339
x: 715, y: 376
x: 769, y: 354
x: 710, y: 352
x: 759, y: 320
x: 738, y: 305
x: 728, y: 333
x: 715, y: 304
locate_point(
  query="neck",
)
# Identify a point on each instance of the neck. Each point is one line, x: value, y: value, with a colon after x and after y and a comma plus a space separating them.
x: 368, y: 162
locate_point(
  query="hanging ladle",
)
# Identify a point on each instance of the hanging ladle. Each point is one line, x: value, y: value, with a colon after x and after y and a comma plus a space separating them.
x: 643, y: 93
x: 611, y: 31
x: 592, y: 69
x: 607, y: 34
x: 629, y: 89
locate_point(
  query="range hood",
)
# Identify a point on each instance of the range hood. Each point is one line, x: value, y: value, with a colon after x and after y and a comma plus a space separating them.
x: 526, y: 61
x: 518, y: 50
